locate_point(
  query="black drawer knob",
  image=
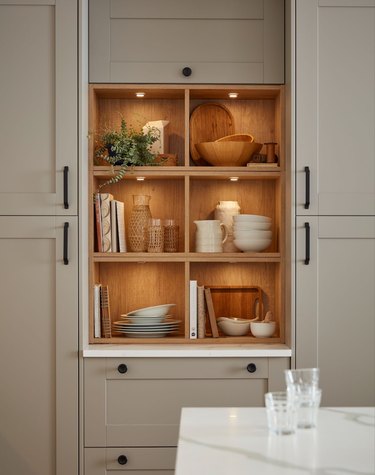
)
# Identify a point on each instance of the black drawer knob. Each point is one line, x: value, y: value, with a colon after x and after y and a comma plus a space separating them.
x: 122, y: 368
x: 186, y: 71
x: 122, y: 460
x: 251, y: 367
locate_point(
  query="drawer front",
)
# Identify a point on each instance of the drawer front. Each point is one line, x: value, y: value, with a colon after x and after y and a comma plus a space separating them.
x: 130, y: 460
x: 220, y: 42
x: 142, y: 406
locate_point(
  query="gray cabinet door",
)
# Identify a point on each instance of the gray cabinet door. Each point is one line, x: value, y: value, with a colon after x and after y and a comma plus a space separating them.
x: 335, y: 304
x: 38, y: 346
x: 142, y: 406
x: 38, y: 104
x: 335, y: 106
x: 221, y: 42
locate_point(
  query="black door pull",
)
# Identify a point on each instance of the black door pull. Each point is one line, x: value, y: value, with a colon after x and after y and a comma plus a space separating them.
x: 307, y: 187
x: 66, y: 188
x: 307, y: 244
x: 66, y: 259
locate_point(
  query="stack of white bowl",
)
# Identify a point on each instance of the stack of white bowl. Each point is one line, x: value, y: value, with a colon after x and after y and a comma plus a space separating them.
x: 252, y: 232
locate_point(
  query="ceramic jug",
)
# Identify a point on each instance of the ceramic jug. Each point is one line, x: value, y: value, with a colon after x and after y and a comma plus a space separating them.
x: 224, y: 212
x: 210, y: 236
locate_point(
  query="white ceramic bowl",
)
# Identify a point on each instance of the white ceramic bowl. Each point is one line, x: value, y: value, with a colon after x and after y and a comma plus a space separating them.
x: 233, y: 326
x: 158, y: 310
x: 252, y: 245
x: 263, y: 329
x: 252, y: 226
x: 246, y: 234
x: 251, y: 218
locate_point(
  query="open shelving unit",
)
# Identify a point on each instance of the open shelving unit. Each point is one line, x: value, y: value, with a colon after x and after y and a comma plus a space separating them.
x: 186, y: 193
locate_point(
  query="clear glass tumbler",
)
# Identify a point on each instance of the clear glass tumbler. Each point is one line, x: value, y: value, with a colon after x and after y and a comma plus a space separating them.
x: 281, y: 413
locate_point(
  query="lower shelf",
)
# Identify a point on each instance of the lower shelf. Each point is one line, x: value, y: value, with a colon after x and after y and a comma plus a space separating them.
x: 175, y: 340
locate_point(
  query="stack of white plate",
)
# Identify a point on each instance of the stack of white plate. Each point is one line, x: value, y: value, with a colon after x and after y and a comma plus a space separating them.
x: 252, y: 232
x: 148, y: 322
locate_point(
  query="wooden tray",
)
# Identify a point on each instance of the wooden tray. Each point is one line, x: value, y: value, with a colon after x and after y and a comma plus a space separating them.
x: 209, y: 122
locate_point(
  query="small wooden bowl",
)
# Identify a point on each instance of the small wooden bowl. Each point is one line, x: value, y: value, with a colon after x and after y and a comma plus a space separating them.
x: 227, y: 154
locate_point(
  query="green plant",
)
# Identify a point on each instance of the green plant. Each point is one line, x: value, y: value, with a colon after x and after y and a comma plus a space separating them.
x: 126, y: 148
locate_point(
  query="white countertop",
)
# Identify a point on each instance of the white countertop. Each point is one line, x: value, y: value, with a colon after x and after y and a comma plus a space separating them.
x: 236, y: 441
x: 186, y: 351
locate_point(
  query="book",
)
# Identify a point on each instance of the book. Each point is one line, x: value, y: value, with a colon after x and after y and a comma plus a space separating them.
x: 105, y: 214
x: 98, y: 223
x: 193, y: 310
x: 120, y: 215
x: 201, y: 312
x: 105, y: 312
x: 114, y: 227
x: 97, y: 312
x: 211, y: 313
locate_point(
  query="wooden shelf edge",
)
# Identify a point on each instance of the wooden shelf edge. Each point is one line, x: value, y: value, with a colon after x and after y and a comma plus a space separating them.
x: 235, y: 257
x: 222, y: 340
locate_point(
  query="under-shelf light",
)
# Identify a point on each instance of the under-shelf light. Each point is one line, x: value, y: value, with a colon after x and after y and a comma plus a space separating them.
x: 141, y: 178
x: 233, y: 95
x: 233, y: 178
x: 140, y: 94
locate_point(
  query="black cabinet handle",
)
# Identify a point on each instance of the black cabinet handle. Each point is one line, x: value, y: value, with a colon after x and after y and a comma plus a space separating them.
x: 65, y: 253
x: 307, y: 187
x: 122, y: 459
x: 187, y: 71
x: 122, y: 368
x: 66, y: 190
x: 251, y: 367
x: 307, y: 244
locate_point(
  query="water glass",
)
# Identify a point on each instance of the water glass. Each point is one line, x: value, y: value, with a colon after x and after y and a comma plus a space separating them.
x: 300, y: 378
x: 308, y: 402
x: 281, y: 413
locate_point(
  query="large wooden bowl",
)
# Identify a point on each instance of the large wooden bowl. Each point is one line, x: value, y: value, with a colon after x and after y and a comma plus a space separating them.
x: 228, y: 154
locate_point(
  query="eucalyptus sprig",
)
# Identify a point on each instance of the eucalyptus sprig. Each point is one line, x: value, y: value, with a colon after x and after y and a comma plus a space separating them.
x: 126, y: 148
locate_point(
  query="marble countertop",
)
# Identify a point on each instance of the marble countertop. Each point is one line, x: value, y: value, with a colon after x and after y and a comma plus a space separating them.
x: 186, y: 350
x: 236, y: 441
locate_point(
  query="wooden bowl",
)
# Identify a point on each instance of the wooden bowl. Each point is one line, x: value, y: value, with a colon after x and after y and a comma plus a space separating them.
x: 227, y: 154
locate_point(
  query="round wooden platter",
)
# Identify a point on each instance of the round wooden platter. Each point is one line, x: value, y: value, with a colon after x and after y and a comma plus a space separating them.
x: 208, y: 122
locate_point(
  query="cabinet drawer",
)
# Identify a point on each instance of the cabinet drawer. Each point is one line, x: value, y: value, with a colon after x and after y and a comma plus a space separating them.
x: 243, y: 43
x: 142, y: 406
x: 130, y: 460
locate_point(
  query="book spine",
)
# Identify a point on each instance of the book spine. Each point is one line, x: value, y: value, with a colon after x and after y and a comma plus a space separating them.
x: 98, y: 223
x: 106, y: 221
x: 211, y: 313
x: 193, y: 310
x: 114, y: 232
x: 97, y: 313
x: 201, y: 313
x: 120, y: 207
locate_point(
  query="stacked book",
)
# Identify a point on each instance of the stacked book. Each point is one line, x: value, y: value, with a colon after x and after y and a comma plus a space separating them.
x: 201, y: 307
x: 109, y: 223
x: 102, y: 314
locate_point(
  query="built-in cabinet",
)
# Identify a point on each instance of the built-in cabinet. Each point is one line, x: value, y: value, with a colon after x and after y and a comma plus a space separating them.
x: 133, y: 405
x: 187, y: 42
x: 335, y: 180
x: 39, y: 238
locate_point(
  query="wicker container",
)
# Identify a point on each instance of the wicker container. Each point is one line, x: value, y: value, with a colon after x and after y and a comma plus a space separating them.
x: 155, y: 236
x: 171, y: 231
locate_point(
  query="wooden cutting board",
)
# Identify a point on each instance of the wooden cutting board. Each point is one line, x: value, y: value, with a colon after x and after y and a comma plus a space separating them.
x: 208, y: 122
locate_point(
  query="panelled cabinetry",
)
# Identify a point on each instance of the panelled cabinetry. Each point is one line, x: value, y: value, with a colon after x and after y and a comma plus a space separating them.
x: 39, y: 238
x: 133, y: 405
x: 187, y: 42
x: 335, y: 179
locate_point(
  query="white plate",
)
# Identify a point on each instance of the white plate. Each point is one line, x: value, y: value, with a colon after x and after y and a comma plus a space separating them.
x: 158, y: 310
x: 145, y: 318
x: 153, y: 334
x: 145, y: 324
x: 145, y: 329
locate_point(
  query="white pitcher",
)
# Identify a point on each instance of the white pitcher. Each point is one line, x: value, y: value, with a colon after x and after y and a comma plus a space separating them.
x: 210, y: 236
x: 224, y: 212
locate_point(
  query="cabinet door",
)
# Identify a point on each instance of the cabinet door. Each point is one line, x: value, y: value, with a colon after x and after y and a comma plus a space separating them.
x: 335, y: 304
x: 141, y: 407
x: 335, y: 106
x: 38, y: 346
x: 38, y: 103
x: 221, y: 42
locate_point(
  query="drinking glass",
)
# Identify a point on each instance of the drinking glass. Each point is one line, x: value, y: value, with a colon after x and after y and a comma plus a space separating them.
x: 281, y: 412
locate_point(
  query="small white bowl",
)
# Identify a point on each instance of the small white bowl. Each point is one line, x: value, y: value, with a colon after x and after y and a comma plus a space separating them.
x: 252, y: 245
x: 233, y: 326
x: 263, y: 329
x: 251, y: 218
x: 239, y: 234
